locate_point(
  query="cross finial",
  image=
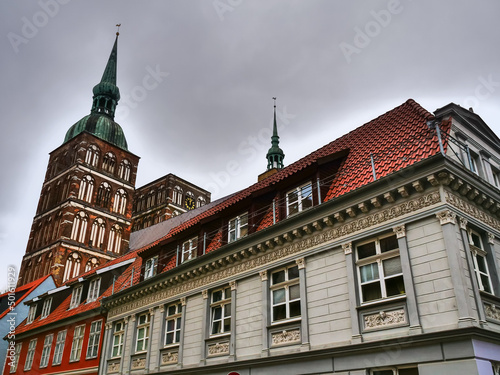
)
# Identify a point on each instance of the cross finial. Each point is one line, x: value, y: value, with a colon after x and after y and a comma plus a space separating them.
x: 118, y: 30
x: 274, y: 98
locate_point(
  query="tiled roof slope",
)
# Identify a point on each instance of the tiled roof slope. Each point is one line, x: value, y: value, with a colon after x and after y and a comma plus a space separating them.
x: 25, y: 290
x: 396, y: 139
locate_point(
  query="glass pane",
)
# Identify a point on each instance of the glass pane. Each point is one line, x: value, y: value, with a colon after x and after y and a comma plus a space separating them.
x: 293, y: 196
x: 408, y: 371
x: 216, y: 327
x: 178, y: 325
x: 306, y: 197
x: 392, y: 266
x: 243, y: 231
x: 227, y: 324
x: 279, y: 312
x: 383, y: 372
x: 217, y: 313
x: 294, y: 292
x: 179, y: 308
x: 278, y: 277
x: 476, y: 240
x: 294, y: 309
x: 177, y: 336
x: 293, y: 273
x: 140, y: 334
x: 278, y: 296
x: 227, y: 310
x: 171, y: 310
x: 395, y: 286
x: 227, y: 293
x: 486, y: 283
x: 371, y: 291
x: 170, y: 338
x: 481, y: 263
x: 170, y: 325
x: 293, y: 208
x: 217, y: 296
x: 366, y: 250
x: 369, y: 272
x: 388, y: 244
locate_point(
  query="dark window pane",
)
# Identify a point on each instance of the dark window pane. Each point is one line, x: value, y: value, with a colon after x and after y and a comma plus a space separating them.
x: 217, y: 313
x: 476, y: 240
x: 217, y: 296
x: 278, y: 277
x: 278, y: 296
x: 227, y: 324
x: 293, y: 208
x: 170, y: 338
x: 178, y: 325
x: 294, y: 309
x: 486, y: 283
x: 395, y: 286
x: 227, y: 293
x: 170, y: 325
x: 227, y: 310
x: 293, y: 273
x: 171, y: 310
x: 383, y: 372
x: 408, y: 371
x: 388, y: 243
x: 371, y: 291
x: 392, y: 266
x: 366, y: 250
x: 294, y: 292
x: 481, y: 263
x: 216, y: 327
x: 279, y: 312
x: 177, y: 336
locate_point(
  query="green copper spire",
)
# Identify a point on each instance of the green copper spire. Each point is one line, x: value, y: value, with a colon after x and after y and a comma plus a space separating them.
x: 100, y: 122
x: 275, y: 154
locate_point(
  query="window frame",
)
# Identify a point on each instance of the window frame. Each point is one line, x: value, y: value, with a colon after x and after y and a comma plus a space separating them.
x: 225, y: 307
x: 94, y: 288
x: 191, y: 249
x: 151, y: 267
x: 28, y: 363
x: 285, y: 285
x: 145, y: 327
x: 120, y: 334
x: 47, y: 346
x: 77, y: 343
x: 47, y: 304
x: 31, y: 313
x: 17, y: 354
x: 59, y: 348
x: 299, y: 190
x: 94, y: 339
x: 235, y: 226
x: 174, y: 316
x: 76, y: 297
x: 480, y: 251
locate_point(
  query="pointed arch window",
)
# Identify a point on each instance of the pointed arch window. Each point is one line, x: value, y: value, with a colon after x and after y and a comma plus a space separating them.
x: 80, y: 227
x: 46, y: 199
x: 124, y: 170
x: 72, y: 266
x: 120, y: 202
x: 97, y: 233
x: 104, y: 195
x: 200, y: 202
x: 92, y: 155
x: 86, y: 189
x: 109, y: 162
x: 91, y: 264
x: 151, y: 201
x: 115, y: 239
x: 161, y: 194
x: 177, y: 196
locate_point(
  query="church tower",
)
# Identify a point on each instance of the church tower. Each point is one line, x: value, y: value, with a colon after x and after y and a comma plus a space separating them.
x: 83, y: 218
x: 275, y: 155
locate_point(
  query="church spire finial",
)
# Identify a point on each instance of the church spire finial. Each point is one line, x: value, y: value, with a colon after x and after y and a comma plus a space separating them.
x: 275, y: 154
x: 118, y: 29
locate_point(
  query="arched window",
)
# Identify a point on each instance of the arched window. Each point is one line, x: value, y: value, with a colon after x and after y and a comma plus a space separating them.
x: 151, y: 199
x: 86, y: 189
x: 46, y: 199
x: 48, y: 262
x: 115, y: 239
x: 104, y: 195
x: 120, y: 202
x: 109, y: 162
x: 79, y: 227
x: 161, y: 194
x: 72, y: 266
x: 65, y: 189
x: 91, y: 264
x: 97, y: 233
x: 200, y: 202
x: 124, y: 170
x: 177, y: 196
x: 92, y: 155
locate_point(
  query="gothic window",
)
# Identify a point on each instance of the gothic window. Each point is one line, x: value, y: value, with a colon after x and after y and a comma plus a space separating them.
x: 124, y: 170
x: 97, y: 233
x: 115, y: 239
x: 55, y: 228
x: 200, y: 202
x: 177, y: 196
x: 86, y: 189
x: 65, y: 189
x: 104, y: 195
x: 120, y: 202
x: 91, y: 264
x: 92, y: 155
x: 109, y: 162
x: 161, y: 194
x: 46, y: 199
x: 72, y: 267
x: 79, y: 227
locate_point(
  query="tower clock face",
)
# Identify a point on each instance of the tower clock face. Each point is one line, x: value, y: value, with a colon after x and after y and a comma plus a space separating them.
x: 189, y: 203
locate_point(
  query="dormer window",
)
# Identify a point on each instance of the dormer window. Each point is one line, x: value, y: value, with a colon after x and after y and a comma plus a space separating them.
x: 237, y: 227
x: 31, y: 314
x: 299, y: 199
x: 46, y: 308
x: 94, y: 290
x: 150, y: 267
x: 189, y: 249
x: 76, y: 296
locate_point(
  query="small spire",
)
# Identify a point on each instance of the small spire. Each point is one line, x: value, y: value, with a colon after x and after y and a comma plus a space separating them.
x: 118, y: 29
x: 275, y: 154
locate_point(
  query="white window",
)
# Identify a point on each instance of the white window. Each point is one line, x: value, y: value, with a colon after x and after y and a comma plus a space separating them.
x: 238, y: 227
x: 47, y: 345
x: 76, y: 346
x: 479, y: 258
x: 91, y: 264
x: 124, y: 170
x: 46, y: 308
x: 59, y: 349
x: 120, y: 202
x: 109, y: 162
x: 72, y: 268
x: 142, y: 333
x: 395, y: 371
x: 97, y: 233
x: 92, y: 155
x: 299, y: 199
x: 285, y: 294
x: 15, y: 360
x: 177, y: 196
x: 115, y: 239
x: 94, y: 338
x: 94, y: 290
x: 76, y: 296
x: 150, y: 267
x: 173, y: 322
x: 379, y: 269
x: 118, y: 334
x: 79, y: 229
x: 200, y: 202
x: 189, y: 249
x: 86, y: 189
x: 474, y: 163
x: 31, y: 313
x: 29, y: 356
x: 220, y: 307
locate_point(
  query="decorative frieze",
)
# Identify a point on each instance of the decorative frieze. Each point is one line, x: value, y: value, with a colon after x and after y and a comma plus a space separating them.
x: 218, y: 348
x: 278, y: 253
x: 168, y: 358
x: 472, y: 210
x: 384, y: 319
x: 492, y: 311
x: 285, y: 337
x: 113, y: 367
x: 138, y: 363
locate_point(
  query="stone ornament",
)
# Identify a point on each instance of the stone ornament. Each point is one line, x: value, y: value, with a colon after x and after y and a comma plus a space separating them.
x: 263, y: 275
x: 138, y: 363
x: 301, y: 262
x: 492, y: 311
x: 113, y: 367
x: 347, y: 247
x: 472, y: 210
x: 169, y: 358
x: 285, y: 337
x: 218, y: 348
x: 384, y: 319
x: 446, y: 217
x: 400, y: 231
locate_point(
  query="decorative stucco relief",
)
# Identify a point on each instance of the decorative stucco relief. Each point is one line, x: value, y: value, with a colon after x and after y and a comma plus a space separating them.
x: 492, y: 311
x: 167, y: 358
x: 383, y: 319
x: 285, y: 337
x: 472, y: 210
x: 218, y: 348
x: 113, y: 367
x: 138, y: 363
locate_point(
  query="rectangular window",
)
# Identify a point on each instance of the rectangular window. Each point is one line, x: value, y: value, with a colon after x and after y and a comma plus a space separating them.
x: 142, y: 333
x: 285, y: 294
x: 47, y: 345
x: 15, y: 360
x: 30, y: 355
x: 396, y: 371
x: 150, y: 267
x: 94, y: 290
x: 299, y: 199
x: 31, y: 314
x: 479, y: 258
x: 46, y: 308
x: 237, y: 227
x: 189, y: 249
x: 76, y: 346
x: 173, y: 321
x: 76, y: 296
x: 94, y: 337
x: 118, y: 334
x: 379, y: 269
x: 58, y: 351
x: 220, y: 307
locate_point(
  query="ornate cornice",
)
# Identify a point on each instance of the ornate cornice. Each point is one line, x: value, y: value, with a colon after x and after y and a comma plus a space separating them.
x: 472, y: 210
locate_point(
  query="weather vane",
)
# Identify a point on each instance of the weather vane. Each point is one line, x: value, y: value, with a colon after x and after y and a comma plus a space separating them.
x: 118, y: 30
x: 274, y: 98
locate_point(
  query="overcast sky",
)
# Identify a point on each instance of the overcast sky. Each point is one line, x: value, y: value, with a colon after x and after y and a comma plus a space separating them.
x: 197, y: 80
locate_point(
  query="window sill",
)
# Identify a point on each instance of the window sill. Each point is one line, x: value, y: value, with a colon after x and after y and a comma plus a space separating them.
x: 382, y: 301
x: 218, y: 335
x: 284, y: 322
x: 171, y: 346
